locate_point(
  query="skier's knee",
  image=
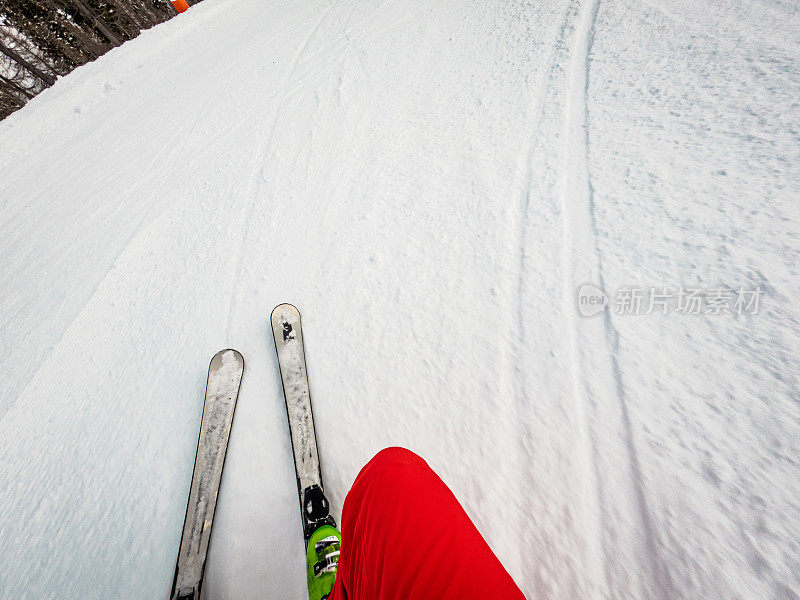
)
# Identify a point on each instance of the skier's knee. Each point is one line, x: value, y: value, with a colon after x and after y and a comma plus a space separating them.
x: 397, y: 457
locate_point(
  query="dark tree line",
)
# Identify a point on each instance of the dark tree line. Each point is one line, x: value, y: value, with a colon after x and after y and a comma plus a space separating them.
x: 43, y: 39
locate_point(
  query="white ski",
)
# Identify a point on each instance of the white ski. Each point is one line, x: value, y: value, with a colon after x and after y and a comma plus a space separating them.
x: 222, y: 390
x: 288, y: 334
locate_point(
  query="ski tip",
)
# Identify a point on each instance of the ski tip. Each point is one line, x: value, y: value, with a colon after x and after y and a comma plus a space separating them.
x: 284, y: 311
x: 226, y: 356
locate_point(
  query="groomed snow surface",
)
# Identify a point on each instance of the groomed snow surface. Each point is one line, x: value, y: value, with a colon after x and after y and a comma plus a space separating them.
x: 429, y: 182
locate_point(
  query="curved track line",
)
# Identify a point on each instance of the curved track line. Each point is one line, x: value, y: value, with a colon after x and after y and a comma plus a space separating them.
x: 580, y: 247
x: 546, y: 86
x: 575, y: 203
x: 257, y: 170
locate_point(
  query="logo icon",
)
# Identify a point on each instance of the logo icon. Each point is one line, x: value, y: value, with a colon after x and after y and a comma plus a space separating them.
x: 591, y: 300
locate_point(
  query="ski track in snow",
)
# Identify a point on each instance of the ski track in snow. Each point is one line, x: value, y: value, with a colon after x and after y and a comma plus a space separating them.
x: 541, y: 87
x: 256, y: 193
x: 429, y: 184
x: 580, y: 248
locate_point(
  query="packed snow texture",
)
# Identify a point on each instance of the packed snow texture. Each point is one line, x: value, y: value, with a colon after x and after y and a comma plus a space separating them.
x: 429, y: 183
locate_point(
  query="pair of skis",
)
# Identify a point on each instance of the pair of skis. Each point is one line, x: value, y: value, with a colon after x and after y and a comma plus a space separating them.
x: 222, y: 389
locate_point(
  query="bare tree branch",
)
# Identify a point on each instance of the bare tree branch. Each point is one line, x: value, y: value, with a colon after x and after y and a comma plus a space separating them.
x: 47, y: 78
x: 101, y: 25
x: 15, y: 87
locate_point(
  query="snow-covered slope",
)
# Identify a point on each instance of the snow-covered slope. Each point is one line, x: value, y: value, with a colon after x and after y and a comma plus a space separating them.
x: 429, y: 183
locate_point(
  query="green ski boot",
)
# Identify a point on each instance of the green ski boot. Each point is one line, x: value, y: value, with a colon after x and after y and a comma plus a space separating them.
x: 322, y: 558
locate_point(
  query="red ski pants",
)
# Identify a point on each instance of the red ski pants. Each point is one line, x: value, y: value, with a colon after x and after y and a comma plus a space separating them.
x: 406, y: 537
